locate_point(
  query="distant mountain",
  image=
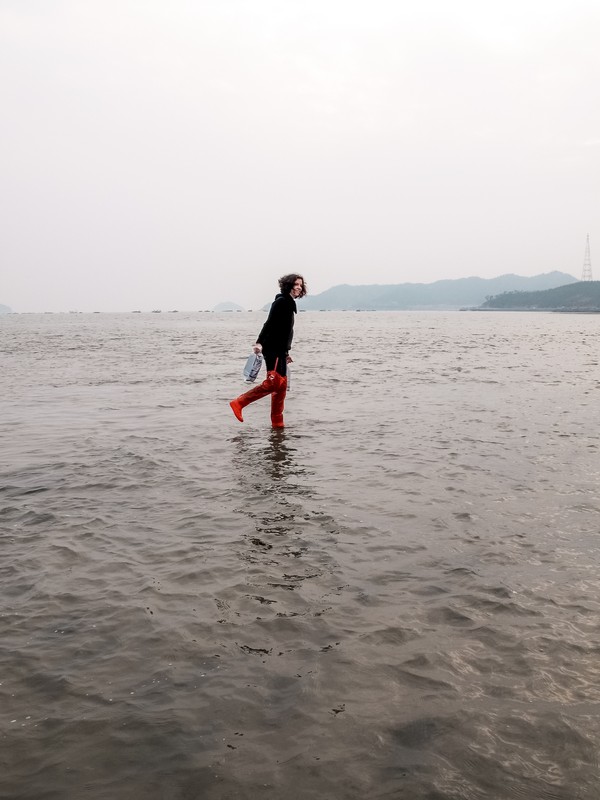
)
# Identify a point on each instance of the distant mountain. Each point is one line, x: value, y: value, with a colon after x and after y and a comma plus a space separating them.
x: 447, y: 294
x: 5, y: 309
x: 580, y: 296
x: 227, y: 306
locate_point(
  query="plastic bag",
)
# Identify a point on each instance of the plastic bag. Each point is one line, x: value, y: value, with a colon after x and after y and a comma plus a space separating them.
x: 252, y: 367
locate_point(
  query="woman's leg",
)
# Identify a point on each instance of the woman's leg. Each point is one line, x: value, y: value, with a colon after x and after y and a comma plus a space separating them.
x: 277, y: 403
x: 272, y: 384
x: 275, y: 362
x: 263, y: 389
x: 278, y: 364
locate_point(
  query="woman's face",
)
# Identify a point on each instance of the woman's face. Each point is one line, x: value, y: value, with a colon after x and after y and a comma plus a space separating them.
x: 297, y: 287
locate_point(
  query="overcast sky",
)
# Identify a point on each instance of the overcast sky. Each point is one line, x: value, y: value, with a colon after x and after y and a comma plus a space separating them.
x: 176, y: 154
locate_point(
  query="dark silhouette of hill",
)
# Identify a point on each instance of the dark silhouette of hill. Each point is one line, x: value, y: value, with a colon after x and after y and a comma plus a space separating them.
x: 446, y: 294
x: 580, y: 296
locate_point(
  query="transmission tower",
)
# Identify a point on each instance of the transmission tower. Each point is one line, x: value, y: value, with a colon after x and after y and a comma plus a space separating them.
x: 586, y: 274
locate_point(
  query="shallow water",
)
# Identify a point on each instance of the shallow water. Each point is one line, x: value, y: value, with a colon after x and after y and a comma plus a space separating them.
x: 396, y: 596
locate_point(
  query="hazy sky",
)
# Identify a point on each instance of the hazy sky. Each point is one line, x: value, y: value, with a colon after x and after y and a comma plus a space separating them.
x: 177, y: 153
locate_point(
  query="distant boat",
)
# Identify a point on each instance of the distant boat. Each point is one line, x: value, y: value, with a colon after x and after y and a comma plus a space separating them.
x: 227, y: 306
x: 156, y: 311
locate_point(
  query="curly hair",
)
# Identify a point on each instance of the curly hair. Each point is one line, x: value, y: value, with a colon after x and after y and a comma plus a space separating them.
x: 286, y: 283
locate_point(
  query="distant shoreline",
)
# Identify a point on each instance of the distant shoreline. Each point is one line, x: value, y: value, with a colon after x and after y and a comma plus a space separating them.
x: 539, y: 310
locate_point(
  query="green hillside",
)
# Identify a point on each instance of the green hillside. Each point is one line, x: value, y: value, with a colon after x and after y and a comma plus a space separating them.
x: 581, y: 296
x: 443, y: 294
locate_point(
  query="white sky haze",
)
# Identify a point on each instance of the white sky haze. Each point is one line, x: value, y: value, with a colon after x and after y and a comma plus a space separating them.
x: 178, y: 154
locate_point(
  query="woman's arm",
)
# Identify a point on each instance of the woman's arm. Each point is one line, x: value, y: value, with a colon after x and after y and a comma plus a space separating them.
x: 274, y: 324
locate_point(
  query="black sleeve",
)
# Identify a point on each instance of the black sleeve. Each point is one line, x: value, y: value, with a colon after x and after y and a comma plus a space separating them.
x: 276, y: 325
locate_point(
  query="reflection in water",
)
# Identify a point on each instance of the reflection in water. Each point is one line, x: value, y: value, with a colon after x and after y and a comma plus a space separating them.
x: 267, y: 472
x: 268, y: 465
x: 280, y: 456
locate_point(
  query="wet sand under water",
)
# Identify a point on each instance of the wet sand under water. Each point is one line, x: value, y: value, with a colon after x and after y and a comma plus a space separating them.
x: 396, y: 596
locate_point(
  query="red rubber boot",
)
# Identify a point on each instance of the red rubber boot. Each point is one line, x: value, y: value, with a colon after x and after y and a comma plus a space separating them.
x: 277, y: 403
x: 262, y: 390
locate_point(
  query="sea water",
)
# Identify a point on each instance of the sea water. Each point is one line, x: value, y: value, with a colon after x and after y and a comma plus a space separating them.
x: 396, y: 596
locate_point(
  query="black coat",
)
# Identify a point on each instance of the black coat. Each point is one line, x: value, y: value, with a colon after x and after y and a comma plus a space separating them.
x: 278, y: 331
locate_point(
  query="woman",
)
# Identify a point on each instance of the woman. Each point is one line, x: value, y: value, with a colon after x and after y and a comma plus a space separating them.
x: 274, y: 342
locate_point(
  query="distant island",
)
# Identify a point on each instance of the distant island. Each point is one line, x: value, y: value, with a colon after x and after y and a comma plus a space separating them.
x: 583, y: 296
x: 5, y: 309
x: 227, y: 306
x: 439, y: 295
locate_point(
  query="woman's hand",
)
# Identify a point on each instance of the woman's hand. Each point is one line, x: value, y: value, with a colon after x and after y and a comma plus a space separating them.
x: 289, y: 360
x: 257, y: 348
